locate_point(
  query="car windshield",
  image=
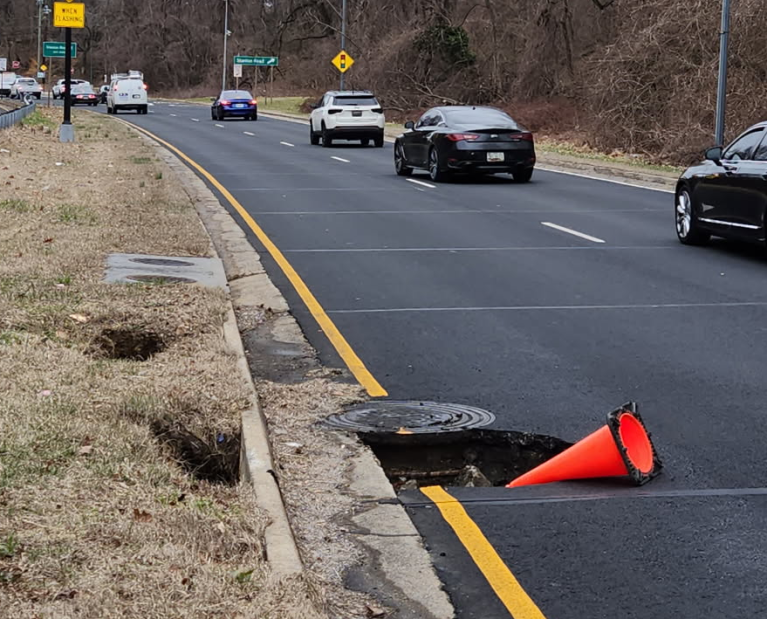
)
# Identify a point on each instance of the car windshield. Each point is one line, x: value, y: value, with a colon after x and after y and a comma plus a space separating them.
x: 482, y: 116
x: 355, y: 100
x: 236, y: 94
x: 28, y: 82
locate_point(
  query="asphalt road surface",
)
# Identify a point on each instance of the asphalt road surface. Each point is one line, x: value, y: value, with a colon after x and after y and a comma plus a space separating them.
x: 548, y: 304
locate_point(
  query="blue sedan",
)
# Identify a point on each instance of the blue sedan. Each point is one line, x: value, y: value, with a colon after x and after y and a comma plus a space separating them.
x: 239, y: 103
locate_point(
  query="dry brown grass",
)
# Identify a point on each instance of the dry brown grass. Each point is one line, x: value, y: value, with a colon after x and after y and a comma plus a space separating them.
x: 99, y: 518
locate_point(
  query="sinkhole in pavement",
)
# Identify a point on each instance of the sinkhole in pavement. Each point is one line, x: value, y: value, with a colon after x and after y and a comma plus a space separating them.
x: 428, y: 443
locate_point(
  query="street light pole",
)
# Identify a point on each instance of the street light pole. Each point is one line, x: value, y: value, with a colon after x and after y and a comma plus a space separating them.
x: 343, y: 38
x: 226, y: 37
x: 721, y: 95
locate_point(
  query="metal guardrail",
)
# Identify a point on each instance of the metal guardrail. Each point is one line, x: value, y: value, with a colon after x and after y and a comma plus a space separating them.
x: 12, y: 117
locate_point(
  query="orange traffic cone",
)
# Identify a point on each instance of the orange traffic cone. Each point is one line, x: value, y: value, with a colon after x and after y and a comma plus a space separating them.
x: 622, y: 447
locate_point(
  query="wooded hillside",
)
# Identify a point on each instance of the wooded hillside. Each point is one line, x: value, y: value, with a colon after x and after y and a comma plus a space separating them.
x: 637, y: 75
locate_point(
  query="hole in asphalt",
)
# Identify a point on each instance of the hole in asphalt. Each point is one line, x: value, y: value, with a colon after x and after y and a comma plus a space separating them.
x: 129, y: 344
x: 470, y: 458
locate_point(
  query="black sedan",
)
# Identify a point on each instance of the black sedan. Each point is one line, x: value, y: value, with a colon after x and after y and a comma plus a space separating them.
x: 451, y: 139
x: 238, y: 103
x: 726, y: 194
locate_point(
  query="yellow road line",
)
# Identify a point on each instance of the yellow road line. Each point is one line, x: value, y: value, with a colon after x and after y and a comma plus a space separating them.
x: 500, y: 578
x: 353, y: 362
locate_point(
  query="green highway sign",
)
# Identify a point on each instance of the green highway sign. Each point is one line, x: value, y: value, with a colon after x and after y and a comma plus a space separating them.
x: 57, y: 49
x: 258, y: 61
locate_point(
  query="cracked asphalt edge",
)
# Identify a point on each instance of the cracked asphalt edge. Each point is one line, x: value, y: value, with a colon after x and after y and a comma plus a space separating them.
x: 384, y: 528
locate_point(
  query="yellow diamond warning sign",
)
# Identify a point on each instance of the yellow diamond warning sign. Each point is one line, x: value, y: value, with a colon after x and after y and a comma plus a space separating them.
x: 68, y: 15
x: 343, y: 61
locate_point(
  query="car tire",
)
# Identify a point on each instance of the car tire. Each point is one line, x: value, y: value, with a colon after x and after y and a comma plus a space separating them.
x: 314, y: 139
x: 687, y: 227
x: 522, y: 176
x: 327, y: 141
x: 254, y: 117
x: 379, y: 141
x: 365, y: 142
x: 399, y: 161
x: 436, y: 171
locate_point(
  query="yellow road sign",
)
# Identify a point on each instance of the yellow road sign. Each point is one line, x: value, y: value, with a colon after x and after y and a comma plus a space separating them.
x: 343, y: 61
x: 43, y: 67
x: 68, y: 14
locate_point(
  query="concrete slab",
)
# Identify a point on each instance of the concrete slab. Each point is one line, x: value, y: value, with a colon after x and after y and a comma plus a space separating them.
x: 142, y: 268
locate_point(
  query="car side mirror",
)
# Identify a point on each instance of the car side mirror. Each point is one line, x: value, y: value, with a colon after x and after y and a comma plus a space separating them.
x: 714, y: 154
x: 313, y: 106
x: 409, y: 125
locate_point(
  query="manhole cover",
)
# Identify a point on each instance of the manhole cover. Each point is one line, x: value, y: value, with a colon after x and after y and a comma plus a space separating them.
x: 159, y: 279
x: 410, y: 417
x: 163, y: 262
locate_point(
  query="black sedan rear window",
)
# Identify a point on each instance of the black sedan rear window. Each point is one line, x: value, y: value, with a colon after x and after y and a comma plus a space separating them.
x: 355, y: 101
x: 481, y: 116
x: 236, y: 94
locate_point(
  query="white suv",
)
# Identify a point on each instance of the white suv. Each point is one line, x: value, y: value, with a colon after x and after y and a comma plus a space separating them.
x: 58, y: 89
x: 347, y: 115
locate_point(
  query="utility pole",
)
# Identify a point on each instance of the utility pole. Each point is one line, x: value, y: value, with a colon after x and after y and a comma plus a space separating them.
x: 226, y: 38
x: 42, y: 10
x: 343, y: 37
x: 721, y: 95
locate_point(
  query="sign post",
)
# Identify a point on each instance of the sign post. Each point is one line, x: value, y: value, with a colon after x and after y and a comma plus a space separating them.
x: 68, y: 15
x: 258, y: 61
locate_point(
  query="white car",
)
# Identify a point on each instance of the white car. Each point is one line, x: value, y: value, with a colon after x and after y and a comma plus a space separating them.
x: 127, y: 91
x: 58, y: 88
x: 347, y: 115
x: 26, y: 87
x: 7, y: 78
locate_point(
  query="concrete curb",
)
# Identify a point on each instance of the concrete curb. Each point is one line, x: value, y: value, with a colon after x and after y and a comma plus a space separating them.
x: 256, y: 463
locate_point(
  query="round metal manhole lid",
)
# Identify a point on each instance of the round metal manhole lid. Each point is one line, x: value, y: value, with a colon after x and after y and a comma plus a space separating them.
x: 410, y: 417
x: 163, y: 262
x: 159, y: 279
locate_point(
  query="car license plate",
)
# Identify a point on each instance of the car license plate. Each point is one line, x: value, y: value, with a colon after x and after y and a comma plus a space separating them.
x: 357, y: 113
x: 239, y: 105
x: 136, y: 96
x: 494, y: 157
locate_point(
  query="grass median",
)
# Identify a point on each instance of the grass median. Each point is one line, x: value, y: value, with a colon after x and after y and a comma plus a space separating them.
x: 119, y: 413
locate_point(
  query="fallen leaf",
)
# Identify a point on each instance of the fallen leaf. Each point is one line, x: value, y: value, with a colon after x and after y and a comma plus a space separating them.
x: 49, y: 240
x: 45, y: 393
x: 67, y: 594
x: 140, y: 515
x: 62, y: 335
x: 79, y: 318
x: 403, y: 431
x: 375, y: 611
x: 220, y: 526
x: 85, y: 450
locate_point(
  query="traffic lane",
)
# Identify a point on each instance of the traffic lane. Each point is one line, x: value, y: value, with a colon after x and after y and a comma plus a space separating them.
x: 590, y: 276
x: 687, y: 557
x: 697, y: 375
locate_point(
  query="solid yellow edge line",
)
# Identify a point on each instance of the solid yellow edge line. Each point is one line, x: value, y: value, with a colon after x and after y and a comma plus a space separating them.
x: 353, y: 362
x: 500, y: 578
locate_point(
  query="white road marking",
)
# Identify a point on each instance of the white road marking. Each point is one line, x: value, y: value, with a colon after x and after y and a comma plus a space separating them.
x: 173, y: 114
x: 588, y: 237
x: 606, y: 180
x: 248, y: 133
x: 412, y: 180
x: 195, y: 120
x: 535, y: 308
x: 342, y: 160
x: 217, y: 125
x: 288, y: 144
